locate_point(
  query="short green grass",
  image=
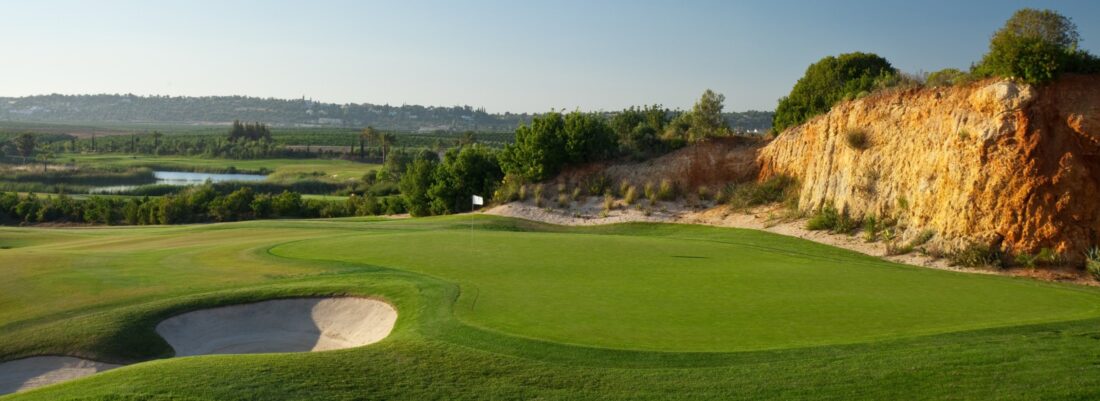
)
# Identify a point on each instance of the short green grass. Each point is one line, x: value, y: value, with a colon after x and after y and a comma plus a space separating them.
x: 495, y: 308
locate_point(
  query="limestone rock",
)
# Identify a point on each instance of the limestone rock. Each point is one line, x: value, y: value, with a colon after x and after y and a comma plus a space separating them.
x: 994, y: 162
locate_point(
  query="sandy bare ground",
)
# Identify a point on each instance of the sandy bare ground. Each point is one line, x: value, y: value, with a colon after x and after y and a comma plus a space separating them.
x: 284, y: 325
x: 28, y: 373
x: 591, y: 212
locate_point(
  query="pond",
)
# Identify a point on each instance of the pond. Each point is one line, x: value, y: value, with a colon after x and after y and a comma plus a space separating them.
x: 182, y: 178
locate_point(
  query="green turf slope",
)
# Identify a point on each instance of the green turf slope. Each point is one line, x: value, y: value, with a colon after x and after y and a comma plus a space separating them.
x: 694, y: 288
x: 495, y: 308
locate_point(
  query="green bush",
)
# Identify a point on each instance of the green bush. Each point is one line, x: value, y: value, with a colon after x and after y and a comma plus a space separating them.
x: 823, y: 219
x: 946, y: 77
x: 1045, y: 256
x: 827, y: 82
x: 976, y: 255
x: 554, y: 140
x: 870, y: 229
x: 1035, y: 46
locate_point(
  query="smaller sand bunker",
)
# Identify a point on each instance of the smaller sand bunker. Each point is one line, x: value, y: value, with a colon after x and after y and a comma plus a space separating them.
x: 27, y: 373
x: 285, y: 325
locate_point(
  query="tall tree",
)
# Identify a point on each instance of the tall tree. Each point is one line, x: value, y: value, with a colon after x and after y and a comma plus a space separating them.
x: 44, y: 154
x: 25, y: 144
x: 414, y: 186
x: 473, y: 170
x: 1036, y: 46
x: 365, y: 137
x: 385, y: 140
x: 706, y: 117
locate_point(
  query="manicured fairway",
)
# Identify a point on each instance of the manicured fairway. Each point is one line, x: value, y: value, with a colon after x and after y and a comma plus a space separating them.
x: 693, y: 288
x: 495, y: 308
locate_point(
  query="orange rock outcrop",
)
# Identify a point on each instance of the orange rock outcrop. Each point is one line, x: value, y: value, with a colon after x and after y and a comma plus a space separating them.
x: 995, y: 162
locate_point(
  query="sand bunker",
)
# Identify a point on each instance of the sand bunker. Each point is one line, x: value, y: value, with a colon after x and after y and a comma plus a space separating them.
x: 286, y: 325
x: 25, y: 374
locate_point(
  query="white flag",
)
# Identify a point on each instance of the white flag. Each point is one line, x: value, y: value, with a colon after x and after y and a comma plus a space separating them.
x: 478, y: 201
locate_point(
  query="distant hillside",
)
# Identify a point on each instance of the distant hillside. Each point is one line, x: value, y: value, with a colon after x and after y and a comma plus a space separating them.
x: 279, y: 112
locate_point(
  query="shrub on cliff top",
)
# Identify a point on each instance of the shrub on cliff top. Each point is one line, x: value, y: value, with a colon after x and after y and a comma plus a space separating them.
x: 1036, y: 46
x: 827, y: 82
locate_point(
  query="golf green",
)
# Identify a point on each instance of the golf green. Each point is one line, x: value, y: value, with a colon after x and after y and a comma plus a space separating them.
x: 500, y: 308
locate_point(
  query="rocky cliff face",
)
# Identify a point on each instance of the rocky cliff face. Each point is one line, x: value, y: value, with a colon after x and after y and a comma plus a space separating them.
x: 997, y: 163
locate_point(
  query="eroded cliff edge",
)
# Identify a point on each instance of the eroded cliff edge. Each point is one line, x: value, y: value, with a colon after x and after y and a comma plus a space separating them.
x: 995, y: 163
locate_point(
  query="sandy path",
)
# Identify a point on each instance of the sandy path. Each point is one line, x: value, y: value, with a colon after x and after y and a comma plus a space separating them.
x: 25, y: 374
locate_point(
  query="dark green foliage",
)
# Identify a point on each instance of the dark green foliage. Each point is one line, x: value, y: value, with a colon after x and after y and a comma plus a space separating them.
x: 25, y: 145
x: 1036, y: 46
x: 639, y: 130
x: 826, y: 83
x: 414, y: 186
x: 248, y: 132
x: 706, y: 117
x: 976, y: 255
x: 829, y: 218
x: 946, y: 77
x: 551, y: 141
x: 539, y: 150
x: 198, y: 204
x: 474, y: 170
x: 588, y: 138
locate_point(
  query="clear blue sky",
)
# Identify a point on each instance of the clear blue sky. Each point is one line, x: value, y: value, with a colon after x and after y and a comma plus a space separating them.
x: 501, y: 55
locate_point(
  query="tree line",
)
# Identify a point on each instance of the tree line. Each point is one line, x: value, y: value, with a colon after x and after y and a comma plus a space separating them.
x: 551, y: 142
x: 198, y: 204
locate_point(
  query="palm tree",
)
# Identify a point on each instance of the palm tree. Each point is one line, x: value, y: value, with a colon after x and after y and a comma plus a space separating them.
x: 367, y: 135
x: 386, y: 140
